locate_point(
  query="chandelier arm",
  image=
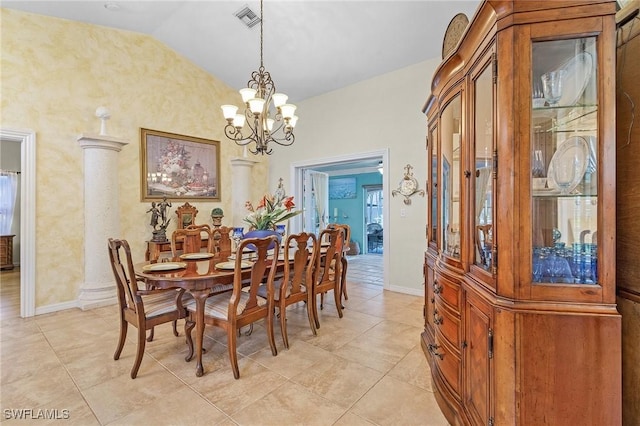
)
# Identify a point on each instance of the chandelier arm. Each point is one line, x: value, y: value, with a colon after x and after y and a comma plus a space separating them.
x: 288, y: 139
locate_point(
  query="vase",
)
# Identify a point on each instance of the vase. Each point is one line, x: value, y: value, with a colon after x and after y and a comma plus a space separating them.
x: 262, y: 233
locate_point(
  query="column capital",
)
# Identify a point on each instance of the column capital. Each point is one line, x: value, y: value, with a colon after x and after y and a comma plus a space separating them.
x: 243, y: 162
x: 87, y: 141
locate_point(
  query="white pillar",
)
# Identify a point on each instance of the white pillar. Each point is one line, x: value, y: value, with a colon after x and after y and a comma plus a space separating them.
x: 241, y: 188
x: 101, y: 217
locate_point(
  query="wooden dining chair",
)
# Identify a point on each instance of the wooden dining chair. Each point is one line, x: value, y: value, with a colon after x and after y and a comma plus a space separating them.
x: 191, y: 237
x: 328, y: 271
x: 300, y: 255
x: 347, y: 240
x: 222, y: 239
x: 244, y: 306
x: 140, y: 307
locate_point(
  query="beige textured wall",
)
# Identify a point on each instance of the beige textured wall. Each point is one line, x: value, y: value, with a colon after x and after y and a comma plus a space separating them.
x: 54, y: 74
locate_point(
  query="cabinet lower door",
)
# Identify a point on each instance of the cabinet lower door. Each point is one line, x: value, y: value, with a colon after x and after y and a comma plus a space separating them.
x: 478, y: 348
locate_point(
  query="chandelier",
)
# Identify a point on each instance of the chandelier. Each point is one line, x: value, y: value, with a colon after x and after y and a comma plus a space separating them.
x: 267, y: 114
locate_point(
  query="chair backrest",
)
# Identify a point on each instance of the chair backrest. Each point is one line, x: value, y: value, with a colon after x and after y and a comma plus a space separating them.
x: 126, y: 282
x: 191, y: 238
x: 222, y: 239
x: 346, y: 229
x: 263, y: 264
x: 330, y: 268
x: 305, y: 248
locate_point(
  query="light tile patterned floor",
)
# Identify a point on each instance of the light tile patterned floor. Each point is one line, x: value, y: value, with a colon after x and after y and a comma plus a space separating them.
x: 364, y: 369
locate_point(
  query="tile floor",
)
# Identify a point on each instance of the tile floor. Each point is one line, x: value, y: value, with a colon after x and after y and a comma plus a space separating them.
x: 364, y: 369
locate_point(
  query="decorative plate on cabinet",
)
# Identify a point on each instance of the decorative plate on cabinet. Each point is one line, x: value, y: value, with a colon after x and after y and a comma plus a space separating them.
x: 454, y: 32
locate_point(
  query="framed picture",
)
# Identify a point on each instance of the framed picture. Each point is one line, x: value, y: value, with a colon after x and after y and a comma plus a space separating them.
x: 178, y: 167
x: 342, y: 188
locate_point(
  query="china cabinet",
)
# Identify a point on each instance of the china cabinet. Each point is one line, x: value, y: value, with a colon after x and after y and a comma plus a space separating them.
x: 628, y: 203
x: 521, y: 325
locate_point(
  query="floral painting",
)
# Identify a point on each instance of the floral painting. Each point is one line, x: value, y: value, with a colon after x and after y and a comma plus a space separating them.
x: 179, y: 167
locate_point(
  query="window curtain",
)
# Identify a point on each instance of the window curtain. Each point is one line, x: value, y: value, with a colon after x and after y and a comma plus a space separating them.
x: 321, y: 190
x: 8, y: 192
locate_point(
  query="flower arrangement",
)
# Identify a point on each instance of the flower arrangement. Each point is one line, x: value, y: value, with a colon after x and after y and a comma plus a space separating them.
x: 269, y: 211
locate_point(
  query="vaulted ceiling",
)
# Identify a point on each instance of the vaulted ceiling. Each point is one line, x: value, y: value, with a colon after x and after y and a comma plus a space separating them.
x: 310, y: 46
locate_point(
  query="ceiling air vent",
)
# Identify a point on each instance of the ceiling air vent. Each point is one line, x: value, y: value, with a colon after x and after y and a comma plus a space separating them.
x: 247, y: 16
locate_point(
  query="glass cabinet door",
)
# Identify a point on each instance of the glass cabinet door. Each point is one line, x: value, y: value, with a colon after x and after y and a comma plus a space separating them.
x: 564, y: 161
x: 433, y: 186
x: 483, y: 161
x: 450, y: 181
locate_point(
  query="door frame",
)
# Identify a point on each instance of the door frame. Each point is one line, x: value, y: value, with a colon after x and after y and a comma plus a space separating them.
x: 27, y: 139
x: 296, y: 176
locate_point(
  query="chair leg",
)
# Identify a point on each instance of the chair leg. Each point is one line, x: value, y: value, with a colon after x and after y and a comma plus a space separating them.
x: 321, y: 301
x: 343, y: 279
x: 188, y: 327
x: 233, y: 354
x: 314, y: 307
x: 175, y: 328
x: 150, y: 338
x: 123, y: 337
x: 270, y: 333
x: 283, y: 325
x: 312, y: 322
x: 337, y: 295
x: 140, y: 352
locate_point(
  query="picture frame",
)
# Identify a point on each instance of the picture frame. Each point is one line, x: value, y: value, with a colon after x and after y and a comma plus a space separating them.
x: 178, y: 167
x: 342, y: 188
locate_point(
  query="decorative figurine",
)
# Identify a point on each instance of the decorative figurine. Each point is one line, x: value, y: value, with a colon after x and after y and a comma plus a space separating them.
x: 159, y: 219
x: 216, y: 217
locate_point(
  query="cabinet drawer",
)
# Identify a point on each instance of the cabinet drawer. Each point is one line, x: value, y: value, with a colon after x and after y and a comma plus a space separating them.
x: 448, y: 291
x: 449, y: 365
x: 447, y: 325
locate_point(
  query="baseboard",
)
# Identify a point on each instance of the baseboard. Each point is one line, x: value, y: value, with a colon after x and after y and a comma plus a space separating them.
x: 407, y: 290
x: 55, y: 307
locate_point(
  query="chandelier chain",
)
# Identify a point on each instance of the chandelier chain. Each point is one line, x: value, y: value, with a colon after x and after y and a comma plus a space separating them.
x: 261, y: 34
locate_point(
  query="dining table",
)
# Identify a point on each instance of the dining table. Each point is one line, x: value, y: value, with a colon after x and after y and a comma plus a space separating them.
x: 200, y: 274
x: 197, y: 273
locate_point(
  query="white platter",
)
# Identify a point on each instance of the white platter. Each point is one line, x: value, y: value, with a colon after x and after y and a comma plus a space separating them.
x: 573, y: 148
x: 196, y: 256
x: 164, y: 266
x: 232, y: 265
x: 577, y: 74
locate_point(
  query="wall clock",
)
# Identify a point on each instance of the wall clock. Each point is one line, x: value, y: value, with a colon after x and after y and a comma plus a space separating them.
x: 408, y: 186
x: 454, y: 32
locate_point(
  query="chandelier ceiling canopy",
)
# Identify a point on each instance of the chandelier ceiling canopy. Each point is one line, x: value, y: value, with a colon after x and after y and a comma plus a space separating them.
x: 267, y: 117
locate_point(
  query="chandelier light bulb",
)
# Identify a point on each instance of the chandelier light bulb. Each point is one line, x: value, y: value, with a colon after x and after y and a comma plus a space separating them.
x: 279, y: 99
x: 247, y: 94
x: 270, y: 122
x: 287, y: 110
x: 229, y: 111
x: 238, y: 121
x: 293, y: 120
x: 256, y: 105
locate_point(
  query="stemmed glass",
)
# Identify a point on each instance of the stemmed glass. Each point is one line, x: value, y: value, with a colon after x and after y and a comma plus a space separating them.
x: 552, y: 86
x: 564, y: 173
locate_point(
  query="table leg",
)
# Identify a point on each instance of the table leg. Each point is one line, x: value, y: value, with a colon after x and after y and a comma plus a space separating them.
x: 200, y: 297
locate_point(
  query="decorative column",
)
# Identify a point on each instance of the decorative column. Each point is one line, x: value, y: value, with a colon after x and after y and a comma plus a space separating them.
x: 101, y: 214
x: 241, y: 188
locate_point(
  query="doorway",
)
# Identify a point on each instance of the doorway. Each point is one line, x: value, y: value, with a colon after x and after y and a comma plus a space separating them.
x: 27, y: 140
x: 374, y: 218
x: 347, y: 164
